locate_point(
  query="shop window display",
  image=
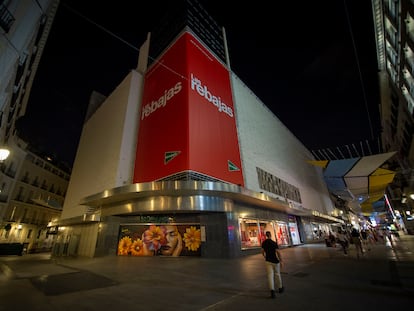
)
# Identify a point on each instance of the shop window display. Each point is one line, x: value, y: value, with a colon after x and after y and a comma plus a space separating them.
x: 293, y: 230
x: 252, y: 232
x: 282, y: 233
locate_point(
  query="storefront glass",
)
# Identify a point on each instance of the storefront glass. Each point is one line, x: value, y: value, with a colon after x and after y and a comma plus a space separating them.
x: 252, y: 232
x: 294, y: 233
x: 309, y: 230
x: 315, y: 231
x: 282, y: 233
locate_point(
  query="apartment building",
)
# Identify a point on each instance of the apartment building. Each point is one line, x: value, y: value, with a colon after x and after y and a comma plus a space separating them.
x: 32, y: 188
x: 32, y: 192
x: 394, y: 34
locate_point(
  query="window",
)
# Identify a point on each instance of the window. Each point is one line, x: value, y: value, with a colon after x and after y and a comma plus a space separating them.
x: 252, y: 232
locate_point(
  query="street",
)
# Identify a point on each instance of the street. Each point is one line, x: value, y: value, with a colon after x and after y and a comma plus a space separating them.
x: 316, y: 277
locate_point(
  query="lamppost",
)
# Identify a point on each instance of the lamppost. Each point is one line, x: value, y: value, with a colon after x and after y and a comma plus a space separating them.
x: 4, y: 153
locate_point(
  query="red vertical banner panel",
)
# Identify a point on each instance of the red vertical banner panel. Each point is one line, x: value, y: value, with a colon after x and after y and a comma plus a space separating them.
x: 162, y: 147
x: 187, y: 117
x: 214, y: 147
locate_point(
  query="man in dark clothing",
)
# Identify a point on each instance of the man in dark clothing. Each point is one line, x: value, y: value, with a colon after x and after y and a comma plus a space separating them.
x: 356, y: 239
x: 270, y: 250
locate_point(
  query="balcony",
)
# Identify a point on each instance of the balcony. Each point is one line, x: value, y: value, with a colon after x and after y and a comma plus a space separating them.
x: 3, y: 198
x: 6, y: 18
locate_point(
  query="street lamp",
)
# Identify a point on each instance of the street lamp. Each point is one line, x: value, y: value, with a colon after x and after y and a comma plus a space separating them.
x: 4, y: 153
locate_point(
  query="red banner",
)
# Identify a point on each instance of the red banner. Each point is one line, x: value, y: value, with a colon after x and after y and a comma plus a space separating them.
x: 187, y: 120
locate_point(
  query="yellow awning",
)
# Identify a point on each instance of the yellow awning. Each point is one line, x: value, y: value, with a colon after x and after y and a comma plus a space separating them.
x: 357, y: 178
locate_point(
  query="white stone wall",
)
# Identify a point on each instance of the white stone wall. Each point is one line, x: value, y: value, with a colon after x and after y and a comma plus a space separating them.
x: 265, y: 142
x: 108, y: 141
x: 106, y: 151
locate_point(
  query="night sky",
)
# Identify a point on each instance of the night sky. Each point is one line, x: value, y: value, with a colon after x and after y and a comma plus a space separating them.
x: 313, y: 63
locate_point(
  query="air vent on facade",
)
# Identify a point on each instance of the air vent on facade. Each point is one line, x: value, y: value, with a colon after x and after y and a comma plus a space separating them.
x: 189, y: 176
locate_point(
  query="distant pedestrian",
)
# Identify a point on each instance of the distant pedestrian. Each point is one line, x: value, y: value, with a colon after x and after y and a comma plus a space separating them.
x: 364, y: 239
x: 387, y: 236
x: 371, y: 238
x: 270, y: 250
x: 356, y: 239
x: 343, y: 241
x: 332, y: 239
x: 381, y: 235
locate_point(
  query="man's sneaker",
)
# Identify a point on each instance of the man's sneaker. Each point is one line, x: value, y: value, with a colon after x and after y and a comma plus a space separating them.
x: 272, y: 294
x: 281, y: 290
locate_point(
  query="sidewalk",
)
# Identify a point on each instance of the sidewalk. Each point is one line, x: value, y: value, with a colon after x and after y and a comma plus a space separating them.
x: 316, y: 277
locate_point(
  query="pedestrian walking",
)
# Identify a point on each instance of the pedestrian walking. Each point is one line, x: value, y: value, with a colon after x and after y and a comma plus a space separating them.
x: 364, y: 239
x: 388, y: 237
x: 356, y: 239
x: 343, y: 241
x: 332, y: 239
x: 273, y: 260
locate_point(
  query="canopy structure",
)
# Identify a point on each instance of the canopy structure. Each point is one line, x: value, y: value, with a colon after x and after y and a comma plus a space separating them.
x: 358, y: 179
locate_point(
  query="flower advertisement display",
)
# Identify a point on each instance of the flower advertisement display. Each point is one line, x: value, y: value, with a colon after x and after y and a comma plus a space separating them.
x: 159, y: 240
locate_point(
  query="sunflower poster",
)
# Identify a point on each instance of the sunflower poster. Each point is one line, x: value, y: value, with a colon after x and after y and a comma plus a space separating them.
x: 159, y: 240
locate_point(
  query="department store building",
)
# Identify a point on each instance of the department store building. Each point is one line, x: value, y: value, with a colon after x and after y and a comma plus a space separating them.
x: 183, y: 143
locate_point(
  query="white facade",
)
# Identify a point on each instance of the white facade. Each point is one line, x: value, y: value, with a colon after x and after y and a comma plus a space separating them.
x: 32, y: 191
x: 265, y: 142
x: 21, y: 47
x: 106, y: 151
x: 100, y: 184
x: 105, y: 156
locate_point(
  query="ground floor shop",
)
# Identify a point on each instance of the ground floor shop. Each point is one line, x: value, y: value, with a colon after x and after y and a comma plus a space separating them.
x: 218, y: 224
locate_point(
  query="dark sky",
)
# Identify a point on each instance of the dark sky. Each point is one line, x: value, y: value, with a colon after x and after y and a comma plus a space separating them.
x: 313, y: 63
